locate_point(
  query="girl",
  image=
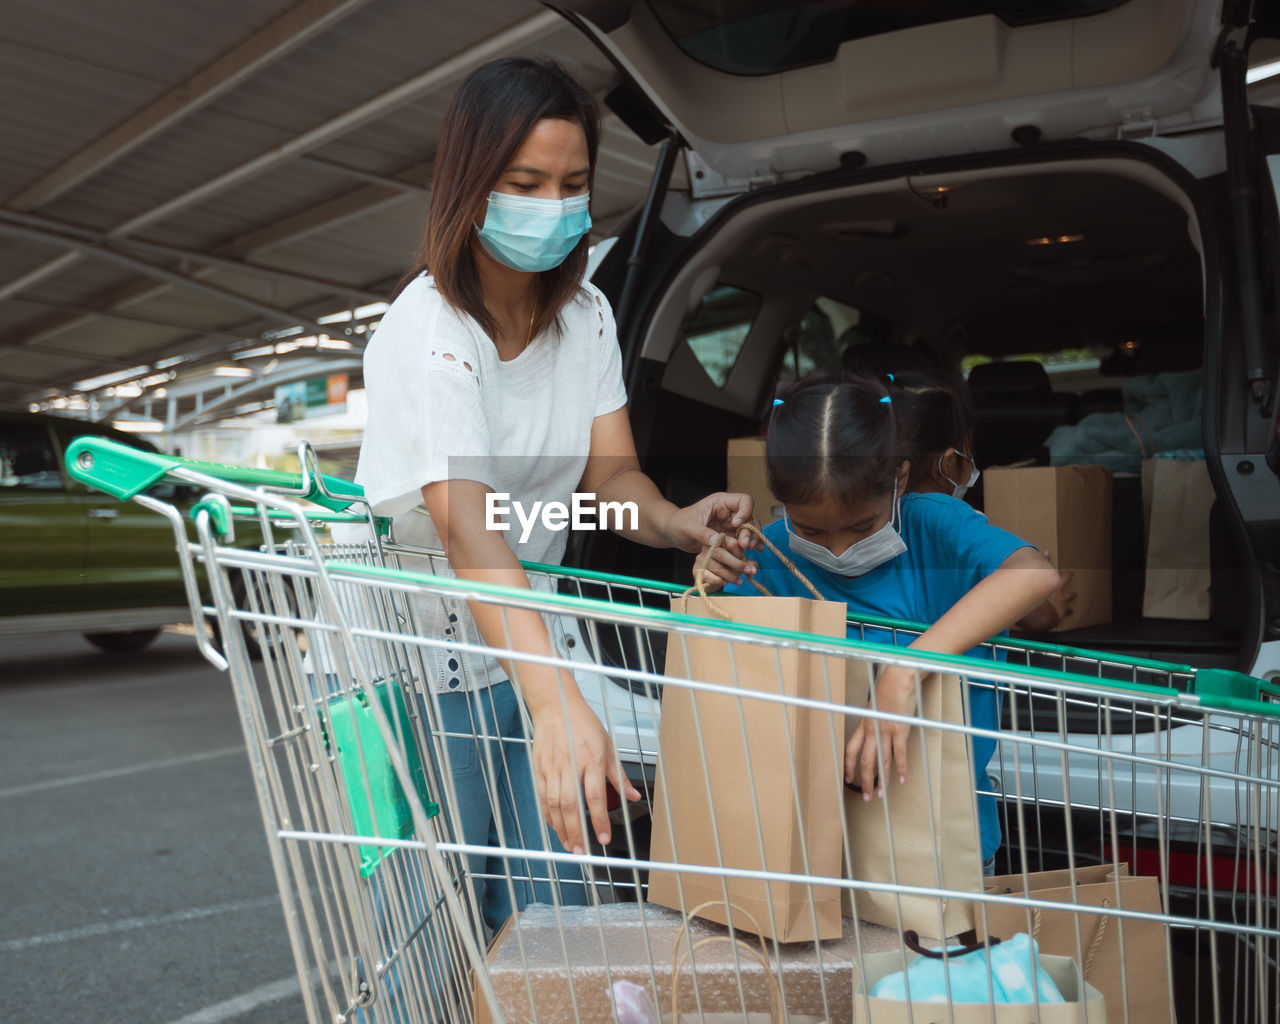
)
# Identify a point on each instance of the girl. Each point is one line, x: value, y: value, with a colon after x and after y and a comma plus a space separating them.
x: 935, y: 421
x: 497, y: 369
x: 834, y: 460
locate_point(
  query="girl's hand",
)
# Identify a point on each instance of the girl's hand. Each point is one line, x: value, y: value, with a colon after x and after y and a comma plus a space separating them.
x: 1056, y: 607
x: 1063, y: 599
x: 572, y: 752
x: 895, y: 691
x: 694, y: 527
x: 722, y: 567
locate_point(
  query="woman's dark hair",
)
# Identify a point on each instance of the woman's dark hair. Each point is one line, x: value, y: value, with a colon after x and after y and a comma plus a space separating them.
x: 833, y: 436
x: 488, y: 118
x: 933, y: 415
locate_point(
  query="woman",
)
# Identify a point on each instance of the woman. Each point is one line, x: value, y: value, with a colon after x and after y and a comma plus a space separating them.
x: 496, y: 369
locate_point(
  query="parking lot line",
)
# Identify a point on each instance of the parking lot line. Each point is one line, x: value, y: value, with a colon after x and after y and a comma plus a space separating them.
x: 229, y: 1009
x: 133, y: 923
x: 41, y: 692
x: 114, y: 773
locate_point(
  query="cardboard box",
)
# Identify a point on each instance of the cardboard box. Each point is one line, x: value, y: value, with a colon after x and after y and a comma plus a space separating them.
x: 1065, y: 972
x: 637, y: 942
x: 1066, y: 512
x: 746, y: 475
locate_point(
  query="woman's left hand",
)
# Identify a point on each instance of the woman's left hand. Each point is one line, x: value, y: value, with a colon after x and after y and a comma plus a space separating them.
x: 895, y: 691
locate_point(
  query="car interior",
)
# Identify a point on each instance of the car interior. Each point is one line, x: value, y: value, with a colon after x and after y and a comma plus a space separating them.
x: 1046, y: 286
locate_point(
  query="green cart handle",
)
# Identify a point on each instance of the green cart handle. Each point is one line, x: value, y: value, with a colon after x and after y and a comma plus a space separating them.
x: 123, y: 472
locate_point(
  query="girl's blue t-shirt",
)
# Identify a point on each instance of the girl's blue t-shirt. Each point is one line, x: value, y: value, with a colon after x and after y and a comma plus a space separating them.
x: 950, y: 549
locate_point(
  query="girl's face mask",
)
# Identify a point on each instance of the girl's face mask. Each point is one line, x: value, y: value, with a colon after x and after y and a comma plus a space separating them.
x: 531, y: 234
x: 860, y: 557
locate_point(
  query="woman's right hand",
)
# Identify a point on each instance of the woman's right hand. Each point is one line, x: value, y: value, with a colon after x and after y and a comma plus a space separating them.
x: 572, y: 754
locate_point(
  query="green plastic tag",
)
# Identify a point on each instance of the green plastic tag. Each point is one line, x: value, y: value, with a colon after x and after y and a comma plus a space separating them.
x: 379, y: 806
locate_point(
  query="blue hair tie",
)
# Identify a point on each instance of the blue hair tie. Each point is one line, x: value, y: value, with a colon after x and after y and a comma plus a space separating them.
x: 777, y: 402
x: 890, y: 376
x: 886, y: 400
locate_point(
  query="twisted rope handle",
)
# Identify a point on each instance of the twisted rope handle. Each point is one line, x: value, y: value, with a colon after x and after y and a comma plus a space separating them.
x: 1095, y: 943
x: 680, y: 957
x: 817, y: 594
x: 1133, y: 423
x: 700, y: 580
x: 700, y: 573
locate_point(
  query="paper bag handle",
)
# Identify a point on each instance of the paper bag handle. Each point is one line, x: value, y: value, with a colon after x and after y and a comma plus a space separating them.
x: 1037, y: 919
x: 681, y: 956
x: 700, y: 572
x: 1133, y: 423
x: 911, y: 940
x: 1094, y: 944
x: 700, y: 581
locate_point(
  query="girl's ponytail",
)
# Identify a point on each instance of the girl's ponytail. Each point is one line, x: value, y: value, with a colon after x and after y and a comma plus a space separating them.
x: 933, y: 415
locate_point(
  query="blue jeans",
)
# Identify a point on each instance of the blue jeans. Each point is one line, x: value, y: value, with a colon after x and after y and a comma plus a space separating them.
x: 495, y: 803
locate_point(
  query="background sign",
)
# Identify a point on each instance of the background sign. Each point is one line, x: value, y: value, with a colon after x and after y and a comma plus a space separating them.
x: 315, y: 396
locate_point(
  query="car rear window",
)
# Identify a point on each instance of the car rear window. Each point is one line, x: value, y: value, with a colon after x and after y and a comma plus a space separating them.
x: 718, y: 329
x: 826, y: 336
x: 760, y: 37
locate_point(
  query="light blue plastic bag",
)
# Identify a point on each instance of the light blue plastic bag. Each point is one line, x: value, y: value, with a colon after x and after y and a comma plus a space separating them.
x: 1002, y: 972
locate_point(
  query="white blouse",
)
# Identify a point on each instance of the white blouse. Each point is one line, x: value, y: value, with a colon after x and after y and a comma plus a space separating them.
x: 442, y: 406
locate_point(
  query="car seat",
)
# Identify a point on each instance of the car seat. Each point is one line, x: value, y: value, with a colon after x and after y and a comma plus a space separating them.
x: 880, y: 358
x: 1015, y: 411
x: 1101, y: 400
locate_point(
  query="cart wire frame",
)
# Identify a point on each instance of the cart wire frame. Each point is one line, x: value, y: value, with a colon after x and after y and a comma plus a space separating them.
x: 405, y: 939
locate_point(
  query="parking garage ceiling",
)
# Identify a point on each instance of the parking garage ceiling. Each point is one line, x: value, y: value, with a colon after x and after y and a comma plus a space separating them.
x: 187, y: 183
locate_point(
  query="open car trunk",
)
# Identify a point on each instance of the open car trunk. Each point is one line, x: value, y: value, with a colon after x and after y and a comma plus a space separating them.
x: 1087, y: 268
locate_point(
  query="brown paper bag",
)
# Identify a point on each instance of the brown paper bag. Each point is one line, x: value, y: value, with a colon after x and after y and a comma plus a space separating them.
x: 1084, y: 1004
x: 933, y: 819
x: 1177, y: 495
x: 789, y: 770
x: 1142, y: 974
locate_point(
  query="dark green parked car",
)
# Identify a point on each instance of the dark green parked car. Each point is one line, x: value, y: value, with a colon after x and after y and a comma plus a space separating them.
x: 72, y: 559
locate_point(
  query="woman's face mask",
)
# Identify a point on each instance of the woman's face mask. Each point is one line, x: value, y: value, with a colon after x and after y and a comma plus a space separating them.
x: 958, y: 490
x: 860, y: 557
x: 531, y: 234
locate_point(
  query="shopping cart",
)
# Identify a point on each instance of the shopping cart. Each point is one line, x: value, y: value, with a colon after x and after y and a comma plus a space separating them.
x: 1176, y: 784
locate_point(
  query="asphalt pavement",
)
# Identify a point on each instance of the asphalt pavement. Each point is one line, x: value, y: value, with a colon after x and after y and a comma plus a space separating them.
x: 135, y: 882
